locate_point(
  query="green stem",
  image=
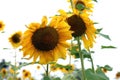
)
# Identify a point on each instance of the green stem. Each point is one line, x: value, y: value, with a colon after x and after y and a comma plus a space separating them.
x: 71, y: 2
x: 93, y: 69
x: 15, y: 64
x: 47, y: 70
x: 70, y: 53
x: 82, y: 59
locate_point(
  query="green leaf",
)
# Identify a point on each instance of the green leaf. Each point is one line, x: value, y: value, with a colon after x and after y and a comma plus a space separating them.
x: 57, y: 78
x: 105, y: 36
x: 74, y: 51
x: 85, y: 54
x: 77, y: 74
x: 68, y: 77
x: 104, y: 47
x: 46, y: 78
x: 95, y: 0
x: 99, y: 30
x: 107, y: 67
x: 95, y: 23
x: 6, y: 48
x: 99, y: 75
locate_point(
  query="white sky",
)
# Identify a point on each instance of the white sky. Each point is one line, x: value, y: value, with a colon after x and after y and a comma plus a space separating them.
x: 18, y: 13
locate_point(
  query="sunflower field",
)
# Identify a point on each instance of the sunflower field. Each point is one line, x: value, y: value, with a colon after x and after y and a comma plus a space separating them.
x: 58, y: 45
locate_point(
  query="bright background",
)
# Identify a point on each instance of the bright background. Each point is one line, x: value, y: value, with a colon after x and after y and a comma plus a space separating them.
x: 18, y: 13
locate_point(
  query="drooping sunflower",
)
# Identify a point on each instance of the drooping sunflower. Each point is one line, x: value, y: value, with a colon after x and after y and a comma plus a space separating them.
x: 83, y: 5
x: 2, y: 26
x: 15, y: 39
x: 46, y: 42
x: 81, y: 25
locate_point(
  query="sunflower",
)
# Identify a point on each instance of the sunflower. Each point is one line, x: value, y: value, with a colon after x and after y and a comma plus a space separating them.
x: 53, y: 67
x: 3, y: 72
x: 38, y: 67
x: 11, y: 71
x: 46, y: 42
x: 104, y: 70
x: 68, y: 68
x: 83, y: 5
x: 81, y: 25
x: 15, y: 39
x: 117, y: 76
x: 26, y: 74
x: 2, y: 25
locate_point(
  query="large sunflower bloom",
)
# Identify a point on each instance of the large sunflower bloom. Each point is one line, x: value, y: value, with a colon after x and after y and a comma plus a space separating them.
x: 2, y: 25
x: 83, y: 5
x: 15, y: 39
x: 81, y: 25
x: 46, y: 41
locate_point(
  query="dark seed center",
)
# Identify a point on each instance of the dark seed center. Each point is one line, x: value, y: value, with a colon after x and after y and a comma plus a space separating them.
x: 0, y: 25
x: 77, y: 25
x: 45, y: 39
x: 16, y: 38
x: 26, y: 74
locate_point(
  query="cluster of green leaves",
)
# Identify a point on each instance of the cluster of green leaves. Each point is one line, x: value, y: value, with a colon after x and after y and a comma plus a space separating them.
x: 97, y: 75
x: 98, y: 32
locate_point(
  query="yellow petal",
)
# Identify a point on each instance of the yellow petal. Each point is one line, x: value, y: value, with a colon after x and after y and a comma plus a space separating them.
x: 35, y: 56
x: 85, y: 42
x: 42, y: 59
x: 44, y: 21
x: 56, y: 54
x: 62, y: 51
x: 64, y: 44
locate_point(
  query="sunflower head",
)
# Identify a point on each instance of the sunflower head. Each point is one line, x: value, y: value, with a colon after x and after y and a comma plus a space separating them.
x: 11, y: 71
x: 117, y: 75
x: 2, y: 25
x: 3, y: 72
x: 83, y: 5
x: 46, y: 41
x: 81, y: 25
x: 38, y: 67
x: 26, y: 74
x: 68, y: 68
x: 77, y: 25
x: 15, y: 39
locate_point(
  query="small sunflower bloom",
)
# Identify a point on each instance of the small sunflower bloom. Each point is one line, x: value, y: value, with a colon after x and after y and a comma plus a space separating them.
x: 53, y: 67
x: 81, y: 25
x: 104, y: 70
x: 85, y: 6
x: 15, y: 39
x: 38, y: 67
x: 26, y: 74
x: 68, y: 68
x: 46, y: 42
x: 117, y: 76
x: 11, y: 71
x: 3, y: 72
x: 2, y: 26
